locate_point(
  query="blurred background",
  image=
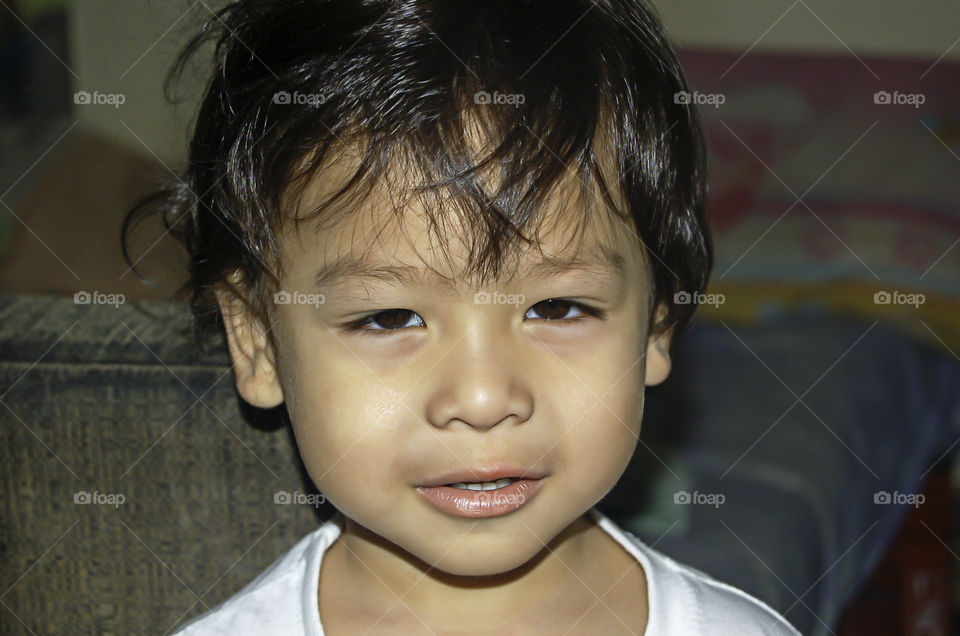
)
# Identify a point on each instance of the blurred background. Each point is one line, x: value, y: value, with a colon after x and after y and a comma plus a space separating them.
x: 834, y: 135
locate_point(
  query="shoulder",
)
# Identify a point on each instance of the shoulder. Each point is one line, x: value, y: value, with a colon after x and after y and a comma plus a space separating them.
x: 277, y: 600
x: 723, y: 608
x: 683, y: 599
x: 718, y: 607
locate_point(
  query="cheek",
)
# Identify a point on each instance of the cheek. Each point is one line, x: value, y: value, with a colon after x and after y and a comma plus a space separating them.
x: 606, y: 436
x: 346, y: 425
x: 349, y: 448
x: 602, y: 420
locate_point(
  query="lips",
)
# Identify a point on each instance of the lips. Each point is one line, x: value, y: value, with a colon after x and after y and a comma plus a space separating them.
x: 481, y: 504
x: 478, y: 475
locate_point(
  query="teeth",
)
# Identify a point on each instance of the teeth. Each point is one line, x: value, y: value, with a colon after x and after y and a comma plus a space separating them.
x: 486, y: 485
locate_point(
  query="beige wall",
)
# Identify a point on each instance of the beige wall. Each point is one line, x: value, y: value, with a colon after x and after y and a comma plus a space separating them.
x: 110, y: 36
x: 926, y: 28
x: 126, y: 47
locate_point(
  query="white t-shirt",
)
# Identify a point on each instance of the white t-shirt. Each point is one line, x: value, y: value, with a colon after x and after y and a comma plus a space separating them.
x: 682, y: 600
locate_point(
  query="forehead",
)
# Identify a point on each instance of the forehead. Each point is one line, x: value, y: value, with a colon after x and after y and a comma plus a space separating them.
x: 390, y: 233
x: 597, y: 260
x: 343, y: 264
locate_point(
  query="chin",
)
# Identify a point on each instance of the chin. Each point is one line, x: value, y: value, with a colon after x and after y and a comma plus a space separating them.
x: 486, y: 563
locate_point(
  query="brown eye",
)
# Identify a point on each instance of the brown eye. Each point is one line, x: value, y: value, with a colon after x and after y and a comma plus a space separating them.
x: 393, y: 318
x: 385, y: 322
x: 554, y: 309
x: 558, y: 310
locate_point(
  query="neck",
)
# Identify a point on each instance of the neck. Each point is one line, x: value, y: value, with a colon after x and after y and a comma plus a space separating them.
x: 542, y: 585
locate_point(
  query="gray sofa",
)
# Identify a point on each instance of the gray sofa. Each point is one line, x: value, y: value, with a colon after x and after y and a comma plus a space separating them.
x: 139, y: 490
x: 113, y: 401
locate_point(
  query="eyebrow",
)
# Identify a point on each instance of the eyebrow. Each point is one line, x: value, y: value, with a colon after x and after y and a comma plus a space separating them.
x: 601, y: 260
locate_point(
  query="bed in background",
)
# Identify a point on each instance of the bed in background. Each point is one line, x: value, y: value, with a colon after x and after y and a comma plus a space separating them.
x: 820, y: 379
x: 824, y: 189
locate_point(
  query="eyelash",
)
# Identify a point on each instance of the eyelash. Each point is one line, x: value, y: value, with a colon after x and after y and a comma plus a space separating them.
x: 359, y: 326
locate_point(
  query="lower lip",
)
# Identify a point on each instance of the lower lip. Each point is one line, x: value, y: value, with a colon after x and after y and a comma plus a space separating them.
x: 479, y: 504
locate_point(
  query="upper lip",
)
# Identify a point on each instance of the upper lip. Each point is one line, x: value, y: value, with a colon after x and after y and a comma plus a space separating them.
x: 477, y: 475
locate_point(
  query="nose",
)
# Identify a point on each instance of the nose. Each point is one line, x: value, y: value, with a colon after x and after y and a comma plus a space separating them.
x: 480, y: 383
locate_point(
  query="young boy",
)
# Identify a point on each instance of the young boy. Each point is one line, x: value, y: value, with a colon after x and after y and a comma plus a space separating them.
x: 387, y: 204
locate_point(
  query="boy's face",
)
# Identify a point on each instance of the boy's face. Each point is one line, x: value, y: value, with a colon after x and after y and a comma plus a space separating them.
x: 457, y: 384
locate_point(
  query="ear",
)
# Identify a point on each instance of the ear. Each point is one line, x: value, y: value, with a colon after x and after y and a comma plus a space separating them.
x: 253, y: 358
x: 658, y: 351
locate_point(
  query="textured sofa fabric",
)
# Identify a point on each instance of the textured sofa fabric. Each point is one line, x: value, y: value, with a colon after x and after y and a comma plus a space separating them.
x: 113, y: 401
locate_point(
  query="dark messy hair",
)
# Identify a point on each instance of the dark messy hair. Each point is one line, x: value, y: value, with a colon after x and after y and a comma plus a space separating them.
x: 582, y: 87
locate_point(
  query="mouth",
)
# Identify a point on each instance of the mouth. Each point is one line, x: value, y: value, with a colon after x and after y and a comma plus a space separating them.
x: 484, y: 478
x: 477, y: 500
x: 484, y: 485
